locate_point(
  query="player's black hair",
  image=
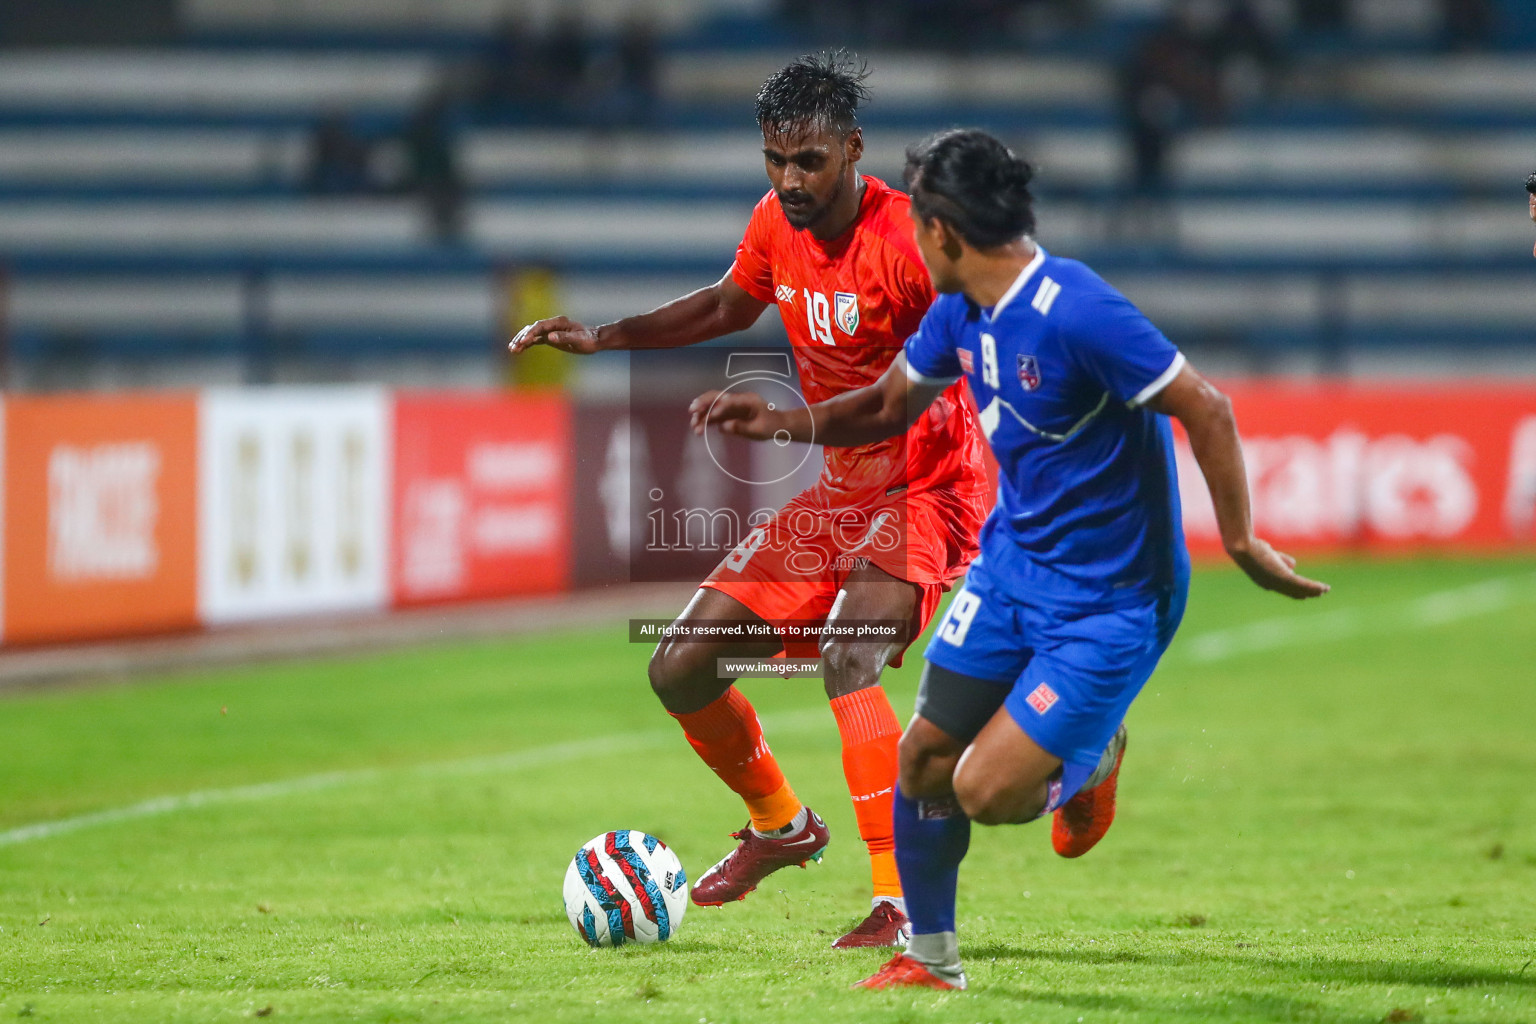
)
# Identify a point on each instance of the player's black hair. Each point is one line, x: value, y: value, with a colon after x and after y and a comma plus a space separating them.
x: 814, y: 90
x: 974, y: 183
x: 1530, y: 183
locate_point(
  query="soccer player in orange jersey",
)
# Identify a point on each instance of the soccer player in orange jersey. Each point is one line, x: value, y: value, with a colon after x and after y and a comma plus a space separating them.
x: 880, y: 536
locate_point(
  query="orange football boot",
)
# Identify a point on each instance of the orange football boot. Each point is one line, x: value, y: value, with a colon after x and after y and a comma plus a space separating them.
x: 1081, y: 822
x: 901, y: 971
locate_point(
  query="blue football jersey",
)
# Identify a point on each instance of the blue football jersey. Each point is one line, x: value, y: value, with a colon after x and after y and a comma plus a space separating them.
x: 1088, y: 502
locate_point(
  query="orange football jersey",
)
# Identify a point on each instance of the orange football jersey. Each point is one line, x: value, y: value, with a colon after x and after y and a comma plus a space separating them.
x: 848, y: 305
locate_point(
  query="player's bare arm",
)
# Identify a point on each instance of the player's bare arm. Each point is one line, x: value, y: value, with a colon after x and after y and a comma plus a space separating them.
x: 1207, y: 417
x: 722, y: 308
x: 861, y: 416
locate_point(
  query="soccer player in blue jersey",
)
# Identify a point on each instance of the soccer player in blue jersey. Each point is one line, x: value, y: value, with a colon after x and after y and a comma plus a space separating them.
x: 1083, y: 573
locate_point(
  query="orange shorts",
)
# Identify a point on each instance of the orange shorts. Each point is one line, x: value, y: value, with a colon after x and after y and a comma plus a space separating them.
x: 793, y: 566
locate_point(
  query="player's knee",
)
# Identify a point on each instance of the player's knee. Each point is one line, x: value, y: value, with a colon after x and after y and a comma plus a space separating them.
x: 847, y: 668
x: 659, y: 670
x: 981, y: 804
x: 986, y: 801
x: 924, y: 770
x: 672, y: 673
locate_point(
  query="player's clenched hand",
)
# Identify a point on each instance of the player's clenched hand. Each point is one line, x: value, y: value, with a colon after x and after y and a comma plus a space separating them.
x: 558, y: 332
x: 740, y: 413
x: 1275, y: 570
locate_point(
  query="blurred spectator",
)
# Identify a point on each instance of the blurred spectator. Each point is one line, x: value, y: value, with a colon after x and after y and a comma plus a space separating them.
x: 1321, y: 15
x: 433, y: 163
x: 564, y: 64
x: 1466, y: 24
x: 625, y: 84
x: 841, y: 22
x: 338, y: 159
x: 507, y: 73
x: 543, y: 77
x: 1168, y: 79
x: 958, y: 25
x: 1246, y: 53
x: 1034, y: 20
x: 638, y: 60
x: 1206, y: 59
x: 799, y: 13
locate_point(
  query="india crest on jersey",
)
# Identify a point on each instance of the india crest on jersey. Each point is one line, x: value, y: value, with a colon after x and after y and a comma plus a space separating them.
x: 845, y: 310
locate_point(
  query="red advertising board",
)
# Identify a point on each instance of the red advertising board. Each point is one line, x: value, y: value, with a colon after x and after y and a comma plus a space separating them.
x: 482, y: 491
x: 1379, y: 467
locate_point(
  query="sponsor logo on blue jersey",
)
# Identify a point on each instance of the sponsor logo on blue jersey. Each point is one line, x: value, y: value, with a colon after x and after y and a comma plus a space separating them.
x: 1042, y: 699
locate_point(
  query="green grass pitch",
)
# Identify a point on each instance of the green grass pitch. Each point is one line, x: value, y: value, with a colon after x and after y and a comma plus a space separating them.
x: 1328, y: 813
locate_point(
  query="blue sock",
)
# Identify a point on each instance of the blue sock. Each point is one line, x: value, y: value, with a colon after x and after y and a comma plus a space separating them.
x: 931, y: 841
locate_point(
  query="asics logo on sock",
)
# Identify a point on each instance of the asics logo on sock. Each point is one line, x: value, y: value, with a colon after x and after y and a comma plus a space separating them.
x: 758, y: 753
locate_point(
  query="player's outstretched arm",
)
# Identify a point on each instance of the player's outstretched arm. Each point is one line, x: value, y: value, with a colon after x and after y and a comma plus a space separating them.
x: 1207, y: 417
x: 708, y: 313
x: 872, y: 413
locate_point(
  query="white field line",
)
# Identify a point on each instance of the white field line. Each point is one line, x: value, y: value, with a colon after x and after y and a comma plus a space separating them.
x: 1306, y: 629
x: 1435, y: 609
x: 518, y: 760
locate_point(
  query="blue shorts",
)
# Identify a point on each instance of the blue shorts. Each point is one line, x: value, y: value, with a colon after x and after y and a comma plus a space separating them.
x: 1072, y: 672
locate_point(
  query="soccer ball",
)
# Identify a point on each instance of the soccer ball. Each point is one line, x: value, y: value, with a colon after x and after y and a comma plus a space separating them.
x: 625, y: 886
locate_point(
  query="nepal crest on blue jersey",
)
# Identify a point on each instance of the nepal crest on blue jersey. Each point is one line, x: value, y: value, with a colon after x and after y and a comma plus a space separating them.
x: 1029, y: 372
x: 845, y: 309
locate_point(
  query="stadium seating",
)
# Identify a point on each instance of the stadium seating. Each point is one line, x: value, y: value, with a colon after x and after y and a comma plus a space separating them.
x: 158, y: 203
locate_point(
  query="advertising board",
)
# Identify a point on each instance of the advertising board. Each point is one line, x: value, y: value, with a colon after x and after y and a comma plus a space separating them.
x: 482, y: 496
x: 294, y: 489
x: 1379, y: 467
x: 100, y: 517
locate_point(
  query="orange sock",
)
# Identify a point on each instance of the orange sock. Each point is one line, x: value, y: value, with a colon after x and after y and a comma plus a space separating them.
x: 870, y: 733
x: 728, y: 736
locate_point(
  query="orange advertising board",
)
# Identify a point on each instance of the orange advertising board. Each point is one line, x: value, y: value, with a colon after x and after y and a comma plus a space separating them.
x: 1379, y: 467
x: 100, y: 512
